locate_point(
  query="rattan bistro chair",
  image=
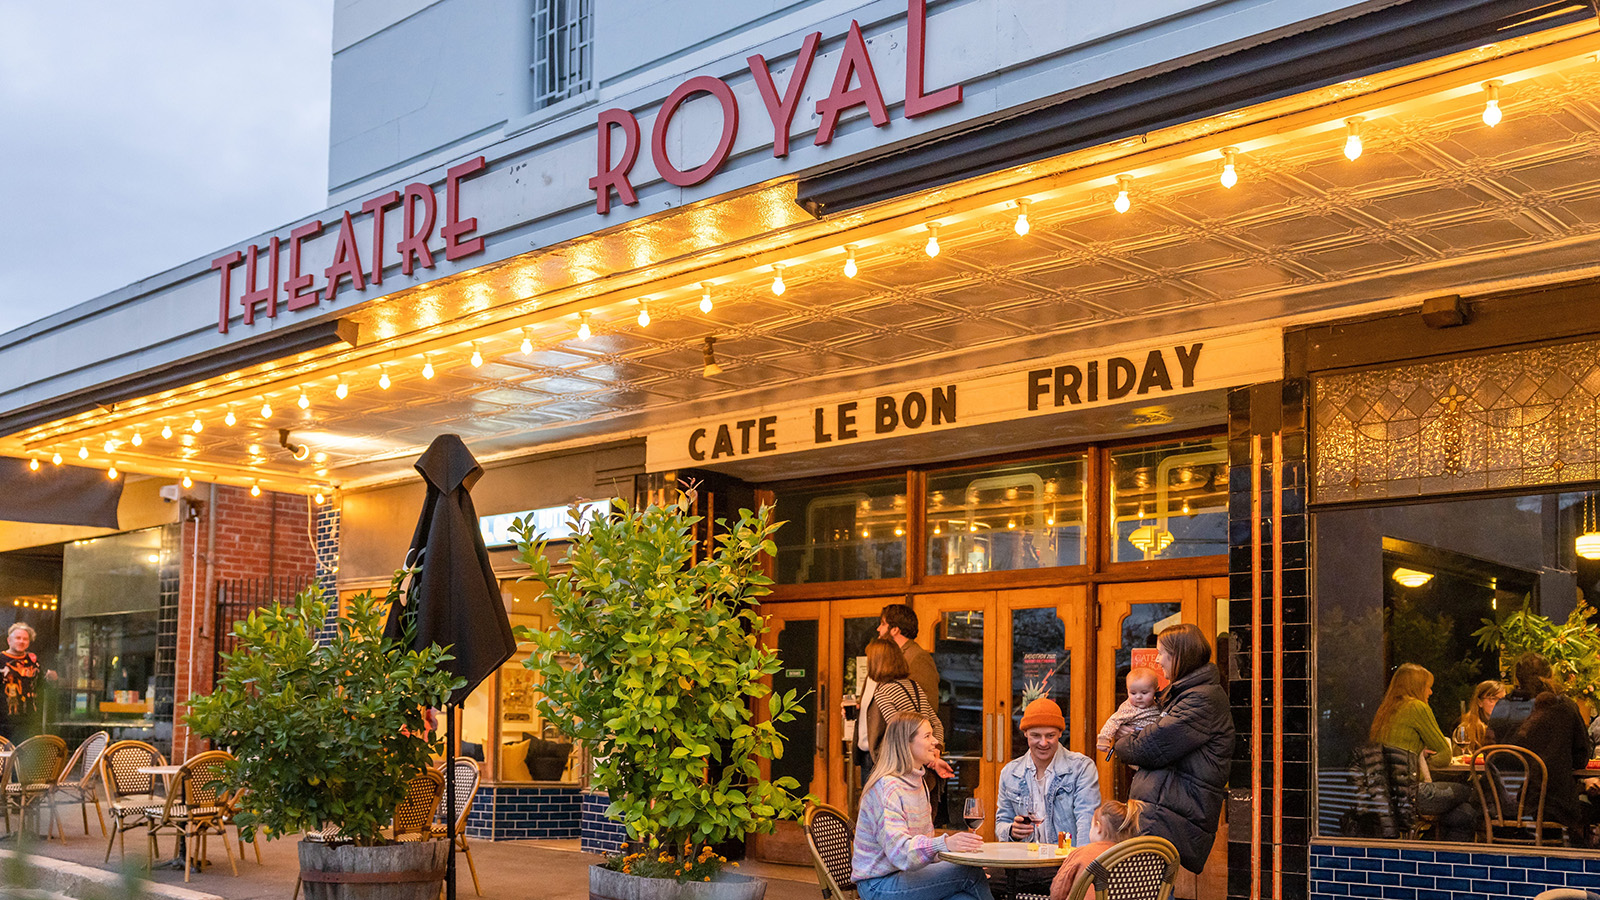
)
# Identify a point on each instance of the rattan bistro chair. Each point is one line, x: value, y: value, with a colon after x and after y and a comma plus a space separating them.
x: 195, y: 807
x: 77, y: 781
x: 832, y: 839
x: 1510, y: 782
x: 131, y: 798
x: 414, y: 815
x: 467, y: 779
x: 1141, y: 868
x: 36, y: 764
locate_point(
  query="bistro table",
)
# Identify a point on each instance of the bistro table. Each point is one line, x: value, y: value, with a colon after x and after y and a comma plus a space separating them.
x: 167, y: 773
x: 1010, y: 856
x: 1457, y: 772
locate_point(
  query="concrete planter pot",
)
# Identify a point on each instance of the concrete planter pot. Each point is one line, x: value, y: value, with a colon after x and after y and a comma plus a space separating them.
x: 413, y: 871
x: 605, y: 884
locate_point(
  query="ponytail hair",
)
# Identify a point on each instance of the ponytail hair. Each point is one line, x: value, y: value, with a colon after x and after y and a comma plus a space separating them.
x: 1119, y: 821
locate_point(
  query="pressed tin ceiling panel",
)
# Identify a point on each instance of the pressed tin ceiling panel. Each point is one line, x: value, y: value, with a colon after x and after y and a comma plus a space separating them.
x: 1436, y: 201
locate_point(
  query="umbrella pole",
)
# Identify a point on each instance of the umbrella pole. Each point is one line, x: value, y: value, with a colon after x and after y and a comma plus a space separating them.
x: 450, y: 800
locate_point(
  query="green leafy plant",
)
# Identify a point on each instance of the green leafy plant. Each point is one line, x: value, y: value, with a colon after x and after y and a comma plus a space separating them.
x: 325, y: 733
x: 1572, y: 647
x: 655, y: 662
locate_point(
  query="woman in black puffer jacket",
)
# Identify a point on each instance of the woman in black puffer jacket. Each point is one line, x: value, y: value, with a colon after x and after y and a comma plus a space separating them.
x: 1183, y: 759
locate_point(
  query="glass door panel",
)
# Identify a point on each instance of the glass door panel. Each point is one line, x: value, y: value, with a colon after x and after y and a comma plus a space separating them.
x: 851, y: 624
x: 1043, y: 653
x: 957, y: 629
x: 797, y: 631
x: 1130, y: 617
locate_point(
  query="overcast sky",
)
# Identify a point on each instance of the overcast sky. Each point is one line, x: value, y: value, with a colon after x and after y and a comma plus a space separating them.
x: 136, y: 136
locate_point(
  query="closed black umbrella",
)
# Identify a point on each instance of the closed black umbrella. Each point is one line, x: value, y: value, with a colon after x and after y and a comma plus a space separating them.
x: 453, y: 600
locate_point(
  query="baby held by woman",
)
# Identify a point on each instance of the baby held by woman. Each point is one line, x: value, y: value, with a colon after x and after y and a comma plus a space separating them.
x: 1138, y: 711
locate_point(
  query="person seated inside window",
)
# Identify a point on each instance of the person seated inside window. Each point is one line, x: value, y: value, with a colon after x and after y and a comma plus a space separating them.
x: 1405, y: 720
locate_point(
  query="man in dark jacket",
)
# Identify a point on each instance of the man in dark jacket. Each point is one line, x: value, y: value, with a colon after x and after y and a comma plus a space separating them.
x: 1183, y: 759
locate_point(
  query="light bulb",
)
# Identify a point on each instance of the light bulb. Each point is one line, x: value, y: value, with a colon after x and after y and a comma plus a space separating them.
x: 933, y: 239
x: 778, y: 286
x: 341, y: 390
x: 527, y: 345
x: 319, y: 498
x: 187, y: 481
x: 110, y: 446
x: 112, y: 473
x: 477, y: 358
x: 1122, y: 204
x: 55, y: 459
x: 304, y: 402
x: 83, y: 452
x: 255, y: 490
x: 138, y: 439
x: 254, y: 449
x: 320, y: 457
x: 584, y: 331
x: 1491, y: 106
x: 166, y: 432
x: 197, y: 426
x: 230, y: 419
x: 383, y: 380
x: 644, y: 314
x: 850, y: 260
x: 266, y: 410
x: 1230, y: 177
x: 427, y: 368
x: 1022, y: 227
x: 33, y: 464
x: 1352, y: 138
x: 705, y: 297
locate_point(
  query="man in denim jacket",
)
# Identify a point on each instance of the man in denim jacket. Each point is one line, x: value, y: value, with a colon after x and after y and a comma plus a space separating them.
x: 1060, y: 786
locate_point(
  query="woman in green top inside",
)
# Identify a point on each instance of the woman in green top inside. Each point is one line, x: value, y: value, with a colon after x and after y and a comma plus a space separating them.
x: 1405, y: 720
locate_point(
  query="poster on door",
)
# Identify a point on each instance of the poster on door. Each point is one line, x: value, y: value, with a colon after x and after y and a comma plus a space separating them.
x: 1146, y: 657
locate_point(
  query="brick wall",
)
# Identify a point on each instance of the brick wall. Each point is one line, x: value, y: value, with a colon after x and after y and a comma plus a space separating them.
x: 600, y: 833
x: 509, y: 813
x: 255, y: 537
x: 1447, y: 873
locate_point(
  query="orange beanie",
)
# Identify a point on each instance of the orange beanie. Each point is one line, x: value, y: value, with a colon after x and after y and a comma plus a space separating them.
x: 1043, y: 713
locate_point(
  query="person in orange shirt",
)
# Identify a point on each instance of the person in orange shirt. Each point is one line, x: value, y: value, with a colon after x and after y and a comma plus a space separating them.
x: 1113, y: 823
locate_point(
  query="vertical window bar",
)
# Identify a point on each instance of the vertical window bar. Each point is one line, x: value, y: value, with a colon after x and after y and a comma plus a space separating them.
x: 563, y: 60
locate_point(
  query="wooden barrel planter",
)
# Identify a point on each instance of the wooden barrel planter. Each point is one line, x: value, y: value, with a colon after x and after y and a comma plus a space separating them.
x: 605, y: 884
x: 413, y: 871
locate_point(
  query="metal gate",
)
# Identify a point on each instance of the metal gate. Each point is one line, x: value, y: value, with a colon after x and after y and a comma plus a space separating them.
x: 237, y: 598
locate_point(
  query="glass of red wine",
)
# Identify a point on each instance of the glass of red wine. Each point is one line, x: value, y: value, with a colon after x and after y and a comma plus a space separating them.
x: 972, y: 811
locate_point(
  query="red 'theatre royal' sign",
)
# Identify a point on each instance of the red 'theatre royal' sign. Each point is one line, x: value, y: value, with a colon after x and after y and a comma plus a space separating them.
x: 419, y: 208
x: 855, y: 65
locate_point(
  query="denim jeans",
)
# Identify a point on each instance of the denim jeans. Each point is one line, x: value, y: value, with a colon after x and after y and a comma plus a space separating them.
x: 935, y: 881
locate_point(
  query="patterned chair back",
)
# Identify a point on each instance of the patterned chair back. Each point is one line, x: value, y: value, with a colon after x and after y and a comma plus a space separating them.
x: 200, y: 782
x: 85, y: 760
x: 38, y: 761
x: 121, y: 763
x: 832, y: 840
x: 414, y: 815
x: 1141, y: 868
x: 467, y: 778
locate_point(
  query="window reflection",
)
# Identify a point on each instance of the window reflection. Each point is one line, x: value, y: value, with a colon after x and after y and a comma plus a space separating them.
x: 1169, y: 501
x: 842, y: 532
x: 1005, y: 518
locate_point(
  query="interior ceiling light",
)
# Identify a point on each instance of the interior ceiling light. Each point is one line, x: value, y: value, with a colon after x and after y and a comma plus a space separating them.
x: 1588, y: 543
x: 644, y: 313
x: 1151, y: 539
x: 1411, y: 577
x: 55, y: 459
x: 527, y: 343
x: 932, y: 246
x: 1352, y: 138
x: 477, y: 357
x: 1491, y: 104
x: 138, y: 439
x: 341, y: 390
x: 383, y: 379
x: 1230, y: 176
x: 584, y: 331
x: 1122, y: 204
x: 705, y: 297
x: 166, y: 432
x: 1022, y: 227
x: 427, y: 367
x: 850, y: 261
x: 778, y: 286
x: 709, y: 356
x: 230, y: 419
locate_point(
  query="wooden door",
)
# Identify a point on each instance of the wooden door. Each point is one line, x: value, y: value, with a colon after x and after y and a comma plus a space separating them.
x: 799, y: 632
x: 959, y: 629
x: 1043, y: 640
x: 851, y: 624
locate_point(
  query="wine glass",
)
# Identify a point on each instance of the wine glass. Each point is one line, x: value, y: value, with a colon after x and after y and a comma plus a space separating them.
x: 972, y: 811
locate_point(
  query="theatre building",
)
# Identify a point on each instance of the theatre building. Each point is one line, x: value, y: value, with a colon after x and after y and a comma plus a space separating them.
x: 1059, y: 323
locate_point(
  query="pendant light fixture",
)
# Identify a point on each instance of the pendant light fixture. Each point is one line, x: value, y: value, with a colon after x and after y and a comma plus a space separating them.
x: 1588, y: 543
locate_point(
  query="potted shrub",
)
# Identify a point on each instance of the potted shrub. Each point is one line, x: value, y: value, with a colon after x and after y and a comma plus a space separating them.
x: 655, y: 662
x: 328, y: 734
x: 1572, y: 648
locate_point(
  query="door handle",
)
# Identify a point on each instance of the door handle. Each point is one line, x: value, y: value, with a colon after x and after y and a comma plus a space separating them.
x: 823, y: 717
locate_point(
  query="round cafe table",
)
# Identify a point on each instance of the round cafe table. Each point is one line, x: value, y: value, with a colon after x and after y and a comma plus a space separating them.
x: 1010, y: 856
x: 167, y: 773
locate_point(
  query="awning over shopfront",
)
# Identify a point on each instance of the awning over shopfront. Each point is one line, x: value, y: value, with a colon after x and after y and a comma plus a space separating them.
x: 57, y: 495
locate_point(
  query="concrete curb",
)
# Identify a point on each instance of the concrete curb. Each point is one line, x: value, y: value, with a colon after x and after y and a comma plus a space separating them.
x: 83, y: 882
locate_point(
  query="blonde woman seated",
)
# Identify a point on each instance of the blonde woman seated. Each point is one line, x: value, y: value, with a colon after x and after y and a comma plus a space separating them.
x: 896, y: 852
